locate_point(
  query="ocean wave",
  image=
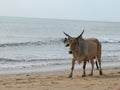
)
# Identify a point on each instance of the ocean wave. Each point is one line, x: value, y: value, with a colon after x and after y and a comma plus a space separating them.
x: 35, y: 43
x: 50, y: 42
x: 110, y: 41
x: 31, y: 60
x: 13, y: 63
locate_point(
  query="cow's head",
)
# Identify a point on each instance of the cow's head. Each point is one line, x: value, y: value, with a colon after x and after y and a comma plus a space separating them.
x: 72, y: 41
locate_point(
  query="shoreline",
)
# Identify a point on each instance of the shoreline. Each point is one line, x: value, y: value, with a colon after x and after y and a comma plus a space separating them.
x: 54, y: 68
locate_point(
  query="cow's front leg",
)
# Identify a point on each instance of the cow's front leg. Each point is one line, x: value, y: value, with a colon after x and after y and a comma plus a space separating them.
x: 72, y: 68
x: 84, y: 73
x: 92, y: 65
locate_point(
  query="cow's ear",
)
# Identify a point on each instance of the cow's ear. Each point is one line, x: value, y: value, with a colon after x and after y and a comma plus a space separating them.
x: 80, y: 36
x: 65, y: 40
x: 76, y: 41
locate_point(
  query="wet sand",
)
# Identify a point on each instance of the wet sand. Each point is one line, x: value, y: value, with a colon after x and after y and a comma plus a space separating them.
x: 58, y: 80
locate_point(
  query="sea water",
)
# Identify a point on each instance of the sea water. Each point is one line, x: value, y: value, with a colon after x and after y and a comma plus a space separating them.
x: 27, y: 43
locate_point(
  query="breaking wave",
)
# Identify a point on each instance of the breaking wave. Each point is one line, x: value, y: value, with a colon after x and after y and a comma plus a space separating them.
x: 35, y: 43
x: 110, y: 41
x: 49, y: 42
x: 13, y: 63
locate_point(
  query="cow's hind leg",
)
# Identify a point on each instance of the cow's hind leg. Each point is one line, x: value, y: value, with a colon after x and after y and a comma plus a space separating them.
x: 100, y: 70
x: 97, y: 65
x: 84, y: 73
x: 72, y: 68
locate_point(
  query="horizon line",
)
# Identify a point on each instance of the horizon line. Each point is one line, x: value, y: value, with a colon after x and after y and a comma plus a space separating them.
x: 62, y: 19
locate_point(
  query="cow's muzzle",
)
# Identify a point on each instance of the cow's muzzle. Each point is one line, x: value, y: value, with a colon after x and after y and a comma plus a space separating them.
x: 70, y: 52
x: 66, y: 45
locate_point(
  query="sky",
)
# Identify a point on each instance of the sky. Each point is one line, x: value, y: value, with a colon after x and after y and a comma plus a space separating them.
x: 95, y: 10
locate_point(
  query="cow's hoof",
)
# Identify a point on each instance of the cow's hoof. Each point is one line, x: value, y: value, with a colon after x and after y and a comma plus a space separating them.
x: 97, y: 68
x: 90, y: 74
x: 70, y: 76
x: 101, y: 73
x: 83, y: 75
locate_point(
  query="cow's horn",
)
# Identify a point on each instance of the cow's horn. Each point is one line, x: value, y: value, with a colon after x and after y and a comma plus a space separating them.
x: 67, y: 35
x: 80, y: 34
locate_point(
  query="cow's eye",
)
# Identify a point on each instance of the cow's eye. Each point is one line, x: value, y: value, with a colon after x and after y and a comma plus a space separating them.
x: 70, y: 40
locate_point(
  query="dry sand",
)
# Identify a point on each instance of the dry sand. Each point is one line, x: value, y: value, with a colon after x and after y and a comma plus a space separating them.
x: 60, y: 81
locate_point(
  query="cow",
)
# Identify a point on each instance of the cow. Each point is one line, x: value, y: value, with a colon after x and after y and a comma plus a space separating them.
x: 84, y: 50
x: 88, y: 39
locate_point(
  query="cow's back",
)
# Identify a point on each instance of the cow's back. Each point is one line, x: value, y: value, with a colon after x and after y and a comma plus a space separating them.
x: 92, y: 49
x: 98, y: 46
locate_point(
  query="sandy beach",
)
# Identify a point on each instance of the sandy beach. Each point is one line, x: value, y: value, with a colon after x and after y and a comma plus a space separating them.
x: 58, y: 80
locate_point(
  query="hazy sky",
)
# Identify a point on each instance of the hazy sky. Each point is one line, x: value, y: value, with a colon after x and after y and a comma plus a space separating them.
x: 100, y: 10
